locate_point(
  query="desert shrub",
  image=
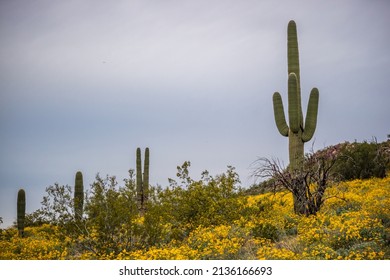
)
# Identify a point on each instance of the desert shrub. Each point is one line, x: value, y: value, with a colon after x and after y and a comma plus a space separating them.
x: 217, y: 242
x: 363, y: 160
x: 113, y: 223
x: 207, y: 202
x: 307, y: 184
x: 266, y: 230
x: 43, y: 242
x: 208, y: 219
x: 290, y: 225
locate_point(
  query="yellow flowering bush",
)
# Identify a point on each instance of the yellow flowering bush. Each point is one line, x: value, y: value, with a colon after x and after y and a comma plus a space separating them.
x: 170, y: 252
x: 219, y: 242
x: 40, y: 243
x: 271, y: 251
x: 354, y: 223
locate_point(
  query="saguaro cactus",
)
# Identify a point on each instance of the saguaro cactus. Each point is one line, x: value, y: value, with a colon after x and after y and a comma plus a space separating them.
x: 78, y: 196
x: 21, y: 209
x: 297, y: 131
x: 142, y: 181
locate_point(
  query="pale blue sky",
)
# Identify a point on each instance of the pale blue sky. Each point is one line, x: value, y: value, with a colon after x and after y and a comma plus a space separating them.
x: 84, y: 83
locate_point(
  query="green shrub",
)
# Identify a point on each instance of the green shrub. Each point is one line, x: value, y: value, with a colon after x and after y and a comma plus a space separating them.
x: 266, y: 230
x: 363, y: 160
x: 207, y: 202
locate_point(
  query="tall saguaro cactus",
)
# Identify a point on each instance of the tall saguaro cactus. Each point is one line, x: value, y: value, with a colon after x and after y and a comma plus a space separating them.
x: 142, y: 181
x: 21, y: 211
x: 78, y: 196
x: 297, y: 131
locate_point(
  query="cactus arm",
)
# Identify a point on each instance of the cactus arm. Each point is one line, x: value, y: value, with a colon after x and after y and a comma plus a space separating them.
x: 293, y: 103
x: 280, y: 118
x: 311, y: 115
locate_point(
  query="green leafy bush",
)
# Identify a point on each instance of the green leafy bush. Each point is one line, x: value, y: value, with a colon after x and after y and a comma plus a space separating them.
x: 207, y: 202
x: 363, y: 160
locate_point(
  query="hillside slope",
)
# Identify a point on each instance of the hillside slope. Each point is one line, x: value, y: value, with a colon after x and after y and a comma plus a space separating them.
x: 354, y: 223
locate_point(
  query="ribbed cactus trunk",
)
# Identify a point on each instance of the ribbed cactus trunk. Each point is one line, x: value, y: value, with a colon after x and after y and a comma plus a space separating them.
x: 297, y: 131
x: 142, y: 181
x: 139, y: 179
x: 21, y: 211
x: 145, y: 180
x: 78, y: 196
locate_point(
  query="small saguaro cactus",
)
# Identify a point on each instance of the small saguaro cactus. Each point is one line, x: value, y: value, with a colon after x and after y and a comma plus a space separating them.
x: 142, y: 181
x: 78, y: 196
x: 297, y: 131
x: 21, y: 209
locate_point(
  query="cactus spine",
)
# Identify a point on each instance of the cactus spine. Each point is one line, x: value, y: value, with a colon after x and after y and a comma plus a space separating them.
x: 21, y: 209
x: 78, y: 196
x: 142, y: 181
x: 297, y: 131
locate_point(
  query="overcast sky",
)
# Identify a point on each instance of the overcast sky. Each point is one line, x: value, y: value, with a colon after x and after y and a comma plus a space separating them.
x: 84, y: 83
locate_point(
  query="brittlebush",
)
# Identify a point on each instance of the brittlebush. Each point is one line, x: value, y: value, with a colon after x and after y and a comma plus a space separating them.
x: 40, y: 243
x: 354, y: 223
